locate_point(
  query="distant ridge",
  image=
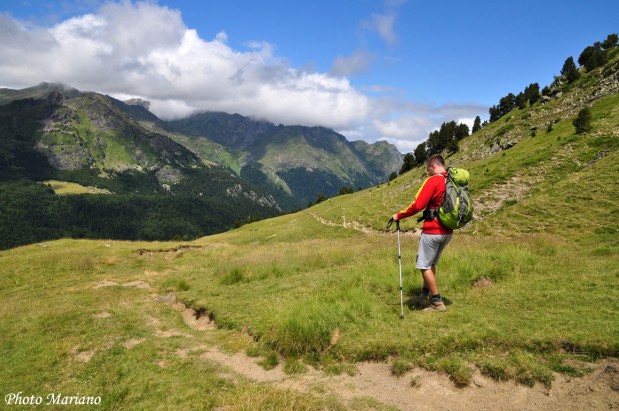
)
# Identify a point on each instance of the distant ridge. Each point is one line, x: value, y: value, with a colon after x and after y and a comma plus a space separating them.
x: 41, y: 90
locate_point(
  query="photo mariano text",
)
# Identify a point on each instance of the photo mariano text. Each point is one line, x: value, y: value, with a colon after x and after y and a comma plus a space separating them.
x: 20, y: 398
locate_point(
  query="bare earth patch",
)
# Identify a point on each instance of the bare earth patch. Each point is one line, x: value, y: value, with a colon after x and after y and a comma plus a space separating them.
x: 137, y: 284
x: 83, y: 356
x: 133, y: 342
x: 196, y: 320
x: 356, y: 225
x: 171, y: 333
x: 483, y: 282
x: 108, y: 283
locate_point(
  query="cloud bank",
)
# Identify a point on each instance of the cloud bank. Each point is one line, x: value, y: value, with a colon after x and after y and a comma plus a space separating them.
x: 145, y: 50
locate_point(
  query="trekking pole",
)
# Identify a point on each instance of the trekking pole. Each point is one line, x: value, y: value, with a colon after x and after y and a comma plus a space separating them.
x: 397, y: 227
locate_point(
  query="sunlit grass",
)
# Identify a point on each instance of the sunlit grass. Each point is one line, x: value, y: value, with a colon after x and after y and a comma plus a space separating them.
x: 65, y: 188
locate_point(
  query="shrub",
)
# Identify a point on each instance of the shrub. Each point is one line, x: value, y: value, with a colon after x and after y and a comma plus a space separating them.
x: 583, y: 121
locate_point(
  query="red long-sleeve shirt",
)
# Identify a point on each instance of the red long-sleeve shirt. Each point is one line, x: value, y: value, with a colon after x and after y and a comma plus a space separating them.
x: 430, y: 195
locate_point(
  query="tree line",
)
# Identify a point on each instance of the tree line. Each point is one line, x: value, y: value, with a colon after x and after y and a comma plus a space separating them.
x: 590, y: 58
x: 448, y: 136
x: 445, y: 138
x: 31, y: 212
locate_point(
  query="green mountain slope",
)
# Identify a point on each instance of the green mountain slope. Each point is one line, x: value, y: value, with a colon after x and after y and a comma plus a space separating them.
x: 162, y: 189
x: 296, y: 163
x: 91, y: 131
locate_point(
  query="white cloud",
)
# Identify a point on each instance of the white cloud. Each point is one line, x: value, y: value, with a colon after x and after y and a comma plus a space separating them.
x: 356, y: 63
x: 145, y: 50
x: 403, y: 145
x: 468, y: 121
x: 383, y: 25
x: 408, y: 126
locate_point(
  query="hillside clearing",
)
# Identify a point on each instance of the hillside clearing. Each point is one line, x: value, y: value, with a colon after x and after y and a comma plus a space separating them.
x: 66, y: 188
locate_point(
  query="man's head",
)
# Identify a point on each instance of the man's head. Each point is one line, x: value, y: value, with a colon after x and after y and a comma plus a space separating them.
x: 435, y: 164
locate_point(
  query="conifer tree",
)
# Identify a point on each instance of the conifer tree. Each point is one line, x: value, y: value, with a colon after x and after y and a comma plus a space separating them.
x: 495, y: 113
x: 569, y: 70
x: 593, y: 57
x: 611, y: 41
x: 532, y: 93
x: 522, y: 101
x: 461, y: 131
x: 507, y: 103
x: 409, y: 163
x: 477, y: 124
x: 421, y: 153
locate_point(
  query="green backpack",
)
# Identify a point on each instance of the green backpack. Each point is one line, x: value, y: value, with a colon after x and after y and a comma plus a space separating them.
x: 457, y: 208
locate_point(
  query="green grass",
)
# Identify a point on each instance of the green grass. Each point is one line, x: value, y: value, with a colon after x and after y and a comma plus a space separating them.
x: 334, y: 295
x: 66, y: 188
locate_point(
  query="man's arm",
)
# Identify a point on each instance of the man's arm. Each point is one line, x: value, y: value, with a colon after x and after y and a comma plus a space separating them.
x: 422, y: 199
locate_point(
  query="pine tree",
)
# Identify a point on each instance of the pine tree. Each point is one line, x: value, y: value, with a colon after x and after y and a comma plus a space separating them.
x: 461, y: 131
x: 495, y: 113
x: 409, y: 163
x: 421, y: 153
x: 522, y: 101
x: 507, y: 104
x: 532, y: 93
x: 569, y: 70
x: 593, y: 57
x: 477, y: 124
x: 611, y: 41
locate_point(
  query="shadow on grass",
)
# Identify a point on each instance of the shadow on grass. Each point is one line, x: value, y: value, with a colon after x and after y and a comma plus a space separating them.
x: 415, y: 306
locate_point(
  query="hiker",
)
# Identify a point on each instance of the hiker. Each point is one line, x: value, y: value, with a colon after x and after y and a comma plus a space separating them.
x: 434, y: 235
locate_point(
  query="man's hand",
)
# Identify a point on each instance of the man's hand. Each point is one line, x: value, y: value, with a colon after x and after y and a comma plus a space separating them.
x: 395, y: 217
x: 390, y: 222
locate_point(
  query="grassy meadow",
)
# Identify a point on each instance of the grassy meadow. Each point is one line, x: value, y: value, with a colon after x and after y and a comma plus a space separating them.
x: 319, y: 288
x: 68, y: 188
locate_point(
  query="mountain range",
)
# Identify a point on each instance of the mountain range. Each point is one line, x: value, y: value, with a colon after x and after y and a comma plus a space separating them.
x: 292, y: 164
x: 185, y: 178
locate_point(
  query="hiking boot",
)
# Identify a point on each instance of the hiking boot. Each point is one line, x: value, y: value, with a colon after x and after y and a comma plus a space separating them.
x: 436, y: 307
x: 420, y: 300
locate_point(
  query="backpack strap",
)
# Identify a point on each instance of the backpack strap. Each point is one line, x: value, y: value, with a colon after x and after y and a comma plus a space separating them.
x: 429, y: 214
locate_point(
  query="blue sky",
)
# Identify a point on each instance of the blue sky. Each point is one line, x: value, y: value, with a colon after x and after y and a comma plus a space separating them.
x: 371, y: 69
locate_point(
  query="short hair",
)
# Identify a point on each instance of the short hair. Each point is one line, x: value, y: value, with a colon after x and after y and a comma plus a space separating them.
x: 436, y: 159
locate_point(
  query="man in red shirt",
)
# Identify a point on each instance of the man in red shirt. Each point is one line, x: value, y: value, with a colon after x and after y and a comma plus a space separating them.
x: 434, y: 236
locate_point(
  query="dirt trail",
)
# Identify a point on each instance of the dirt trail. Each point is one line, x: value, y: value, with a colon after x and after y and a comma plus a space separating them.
x: 433, y: 391
x: 418, y: 390
x: 356, y: 225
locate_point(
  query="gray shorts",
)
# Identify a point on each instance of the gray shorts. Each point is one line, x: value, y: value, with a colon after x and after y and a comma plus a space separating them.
x: 430, y: 248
